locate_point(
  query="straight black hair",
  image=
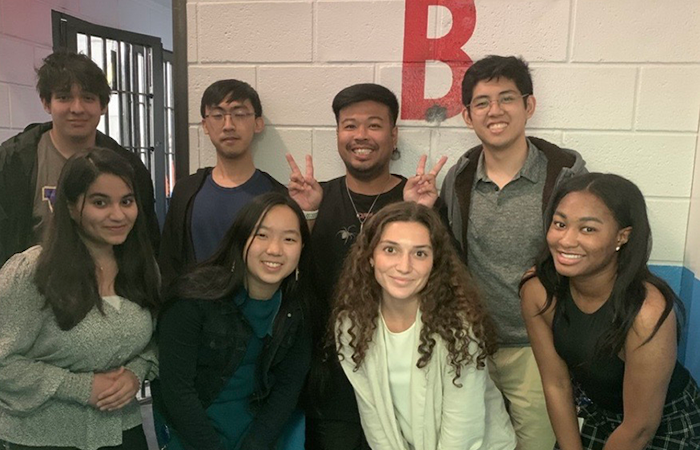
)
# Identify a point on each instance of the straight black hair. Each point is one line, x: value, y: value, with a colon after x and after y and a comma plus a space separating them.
x: 223, y: 274
x: 493, y: 67
x: 626, y: 203
x: 65, y: 273
x: 230, y: 91
x: 363, y: 92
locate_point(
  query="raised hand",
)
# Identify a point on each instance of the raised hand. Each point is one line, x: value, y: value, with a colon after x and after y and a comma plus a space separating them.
x: 304, y: 189
x: 422, y: 187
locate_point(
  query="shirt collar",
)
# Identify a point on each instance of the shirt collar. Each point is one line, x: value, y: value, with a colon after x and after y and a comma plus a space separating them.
x: 242, y: 296
x: 528, y: 171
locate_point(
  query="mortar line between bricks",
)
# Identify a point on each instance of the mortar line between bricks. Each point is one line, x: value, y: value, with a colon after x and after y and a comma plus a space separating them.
x: 620, y: 132
x: 609, y: 64
x: 665, y: 262
x: 314, y: 16
x: 572, y: 28
x: 637, y: 95
x: 623, y: 131
x: 533, y: 64
x: 672, y: 198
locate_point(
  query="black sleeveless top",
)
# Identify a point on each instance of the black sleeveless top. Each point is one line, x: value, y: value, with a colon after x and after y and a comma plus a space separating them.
x: 575, y: 336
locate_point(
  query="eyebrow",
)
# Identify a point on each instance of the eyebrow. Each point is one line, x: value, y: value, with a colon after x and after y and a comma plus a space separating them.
x: 509, y: 91
x: 100, y: 194
x: 291, y: 230
x: 233, y: 108
x: 581, y: 219
x: 386, y: 241
x: 352, y: 119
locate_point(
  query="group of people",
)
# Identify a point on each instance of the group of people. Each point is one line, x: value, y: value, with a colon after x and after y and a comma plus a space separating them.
x: 513, y: 309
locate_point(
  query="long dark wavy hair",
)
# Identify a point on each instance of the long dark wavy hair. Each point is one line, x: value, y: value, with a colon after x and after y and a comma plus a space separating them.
x: 450, y: 308
x: 223, y: 274
x: 626, y: 203
x: 66, y: 272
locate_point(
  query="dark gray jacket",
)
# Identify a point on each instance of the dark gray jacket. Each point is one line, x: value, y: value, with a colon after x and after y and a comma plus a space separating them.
x: 456, y: 190
x: 18, y: 172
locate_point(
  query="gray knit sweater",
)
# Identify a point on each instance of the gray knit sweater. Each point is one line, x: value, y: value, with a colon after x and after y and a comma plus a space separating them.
x: 46, y: 373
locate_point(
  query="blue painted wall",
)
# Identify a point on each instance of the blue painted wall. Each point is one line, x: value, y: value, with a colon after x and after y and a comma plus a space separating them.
x: 687, y: 286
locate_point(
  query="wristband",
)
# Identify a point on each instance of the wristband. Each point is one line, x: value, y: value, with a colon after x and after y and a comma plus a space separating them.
x: 310, y: 215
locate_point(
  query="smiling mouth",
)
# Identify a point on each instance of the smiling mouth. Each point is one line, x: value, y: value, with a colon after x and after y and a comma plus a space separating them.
x: 402, y: 281
x: 497, y: 126
x: 272, y: 265
x: 362, y: 151
x: 569, y: 256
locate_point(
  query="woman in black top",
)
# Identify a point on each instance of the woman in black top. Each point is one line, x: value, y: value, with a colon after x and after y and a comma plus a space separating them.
x: 596, y: 316
x: 234, y: 344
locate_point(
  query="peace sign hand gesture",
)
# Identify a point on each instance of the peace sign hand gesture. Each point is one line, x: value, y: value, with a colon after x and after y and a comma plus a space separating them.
x: 422, y: 188
x: 304, y: 189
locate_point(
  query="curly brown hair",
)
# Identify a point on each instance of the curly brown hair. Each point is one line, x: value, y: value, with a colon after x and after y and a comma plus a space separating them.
x: 449, y: 304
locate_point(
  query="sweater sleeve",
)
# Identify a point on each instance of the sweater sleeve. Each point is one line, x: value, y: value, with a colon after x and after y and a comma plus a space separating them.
x: 25, y: 383
x: 463, y: 408
x: 373, y: 424
x: 145, y: 364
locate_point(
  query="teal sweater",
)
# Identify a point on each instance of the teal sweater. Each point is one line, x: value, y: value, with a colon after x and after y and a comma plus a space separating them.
x: 46, y: 373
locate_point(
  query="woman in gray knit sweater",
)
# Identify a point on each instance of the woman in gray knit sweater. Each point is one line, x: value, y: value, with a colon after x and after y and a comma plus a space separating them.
x: 76, y: 322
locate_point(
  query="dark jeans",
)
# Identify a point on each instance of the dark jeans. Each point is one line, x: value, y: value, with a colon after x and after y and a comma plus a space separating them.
x: 132, y: 439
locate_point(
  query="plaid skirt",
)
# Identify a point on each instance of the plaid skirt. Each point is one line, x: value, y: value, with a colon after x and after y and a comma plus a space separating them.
x: 679, y: 428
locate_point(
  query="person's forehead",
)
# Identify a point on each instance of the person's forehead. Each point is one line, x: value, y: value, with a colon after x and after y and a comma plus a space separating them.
x: 74, y: 89
x: 366, y: 109
x: 281, y: 218
x: 412, y: 230
x: 583, y: 203
x: 232, y: 104
x: 500, y: 84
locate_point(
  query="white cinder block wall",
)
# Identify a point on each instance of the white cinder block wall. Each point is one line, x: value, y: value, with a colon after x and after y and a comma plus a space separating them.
x: 618, y: 81
x: 26, y: 38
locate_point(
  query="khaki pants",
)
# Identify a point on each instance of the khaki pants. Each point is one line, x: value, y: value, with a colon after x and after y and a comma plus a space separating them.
x: 514, y: 371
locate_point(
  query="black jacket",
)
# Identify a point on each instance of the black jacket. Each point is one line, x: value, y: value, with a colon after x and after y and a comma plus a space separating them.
x: 18, y: 172
x: 177, y: 249
x: 202, y: 343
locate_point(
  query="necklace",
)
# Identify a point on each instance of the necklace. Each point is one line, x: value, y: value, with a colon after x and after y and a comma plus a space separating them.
x: 359, y: 216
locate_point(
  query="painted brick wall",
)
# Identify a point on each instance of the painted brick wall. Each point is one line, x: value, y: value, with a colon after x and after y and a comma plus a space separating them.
x: 618, y: 81
x: 25, y: 39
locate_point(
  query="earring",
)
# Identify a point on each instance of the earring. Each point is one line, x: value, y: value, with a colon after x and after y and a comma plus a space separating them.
x: 233, y: 266
x: 617, y: 249
x: 296, y: 275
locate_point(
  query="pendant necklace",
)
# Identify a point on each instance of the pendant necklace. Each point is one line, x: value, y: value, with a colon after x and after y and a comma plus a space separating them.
x: 361, y: 219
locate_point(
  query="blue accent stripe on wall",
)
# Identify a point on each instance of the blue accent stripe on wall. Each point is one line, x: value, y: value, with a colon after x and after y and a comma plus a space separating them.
x: 671, y: 275
x: 690, y: 293
x: 687, y: 286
